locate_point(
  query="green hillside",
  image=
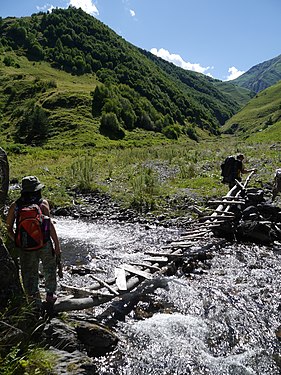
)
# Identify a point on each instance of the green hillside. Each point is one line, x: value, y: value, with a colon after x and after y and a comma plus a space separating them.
x: 261, y: 76
x: 224, y: 92
x: 260, y: 118
x: 135, y: 90
x: 86, y: 111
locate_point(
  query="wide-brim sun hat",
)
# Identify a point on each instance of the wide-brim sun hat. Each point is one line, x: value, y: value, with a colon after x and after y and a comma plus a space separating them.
x: 30, y: 184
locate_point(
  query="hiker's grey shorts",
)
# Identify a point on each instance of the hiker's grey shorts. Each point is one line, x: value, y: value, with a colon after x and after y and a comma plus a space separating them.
x: 29, y: 264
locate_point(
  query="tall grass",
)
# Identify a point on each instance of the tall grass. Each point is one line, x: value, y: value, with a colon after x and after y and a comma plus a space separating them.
x: 81, y: 173
x: 145, y: 189
x: 19, y: 353
x: 142, y: 175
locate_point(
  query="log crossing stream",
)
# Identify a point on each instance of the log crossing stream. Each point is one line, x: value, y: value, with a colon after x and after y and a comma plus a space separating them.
x: 128, y: 276
x: 218, y: 316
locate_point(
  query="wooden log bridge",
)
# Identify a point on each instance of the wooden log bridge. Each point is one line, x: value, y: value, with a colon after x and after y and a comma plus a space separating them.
x: 150, y: 272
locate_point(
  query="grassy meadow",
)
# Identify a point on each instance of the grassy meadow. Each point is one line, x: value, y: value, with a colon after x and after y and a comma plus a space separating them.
x: 143, y: 177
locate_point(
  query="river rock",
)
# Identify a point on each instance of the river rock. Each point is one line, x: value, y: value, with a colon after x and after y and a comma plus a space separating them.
x: 72, y: 363
x: 61, y: 336
x: 79, y: 335
x: 96, y: 339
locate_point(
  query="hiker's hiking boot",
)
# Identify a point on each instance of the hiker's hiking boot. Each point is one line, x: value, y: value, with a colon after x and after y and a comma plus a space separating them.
x: 51, y: 297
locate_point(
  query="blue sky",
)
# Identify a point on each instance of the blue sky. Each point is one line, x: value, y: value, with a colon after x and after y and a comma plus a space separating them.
x: 220, y: 38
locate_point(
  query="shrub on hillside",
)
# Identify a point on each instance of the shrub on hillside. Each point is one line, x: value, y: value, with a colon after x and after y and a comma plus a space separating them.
x: 110, y: 126
x: 33, y: 126
x: 172, y: 131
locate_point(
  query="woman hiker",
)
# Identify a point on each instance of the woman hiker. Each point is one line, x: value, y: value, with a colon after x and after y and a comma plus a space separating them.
x: 35, y: 236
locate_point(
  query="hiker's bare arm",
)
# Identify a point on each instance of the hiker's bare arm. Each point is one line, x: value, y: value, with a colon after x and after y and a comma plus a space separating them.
x: 46, y: 211
x: 10, y: 221
x: 55, y: 239
x: 45, y: 207
x: 248, y: 170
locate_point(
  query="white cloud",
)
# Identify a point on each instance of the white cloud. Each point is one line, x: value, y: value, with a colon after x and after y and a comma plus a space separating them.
x: 234, y: 73
x: 178, y: 60
x: 87, y: 5
x: 47, y: 7
x: 132, y: 13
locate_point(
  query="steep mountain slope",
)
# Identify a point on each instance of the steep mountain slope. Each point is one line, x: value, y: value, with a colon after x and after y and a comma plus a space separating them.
x: 261, y: 76
x: 261, y: 117
x: 40, y: 104
x: 227, y: 92
x: 139, y: 91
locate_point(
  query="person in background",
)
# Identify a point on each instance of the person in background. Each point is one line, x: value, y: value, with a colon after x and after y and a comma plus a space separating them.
x: 276, y: 184
x: 48, y: 252
x: 238, y: 170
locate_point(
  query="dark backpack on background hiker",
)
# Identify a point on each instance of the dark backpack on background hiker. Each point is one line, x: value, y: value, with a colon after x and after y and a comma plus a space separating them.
x: 228, y: 169
x: 32, y: 227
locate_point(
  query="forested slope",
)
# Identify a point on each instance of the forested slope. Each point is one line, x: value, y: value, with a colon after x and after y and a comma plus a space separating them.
x: 131, y: 88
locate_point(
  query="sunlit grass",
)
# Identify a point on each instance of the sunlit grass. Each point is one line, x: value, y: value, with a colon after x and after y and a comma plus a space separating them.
x: 137, y: 176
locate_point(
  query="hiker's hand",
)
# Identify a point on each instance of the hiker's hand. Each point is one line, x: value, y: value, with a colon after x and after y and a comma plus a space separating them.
x: 57, y: 250
x: 60, y: 273
x: 59, y: 266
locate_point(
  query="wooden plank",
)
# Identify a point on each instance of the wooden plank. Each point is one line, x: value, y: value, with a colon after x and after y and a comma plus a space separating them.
x: 120, y: 276
x: 182, y: 244
x: 229, y: 197
x: 227, y: 213
x: 227, y: 202
x: 195, y: 231
x: 157, y: 260
x: 145, y: 265
x: 216, y: 217
x: 196, y: 236
x: 103, y: 283
x: 208, y: 224
x: 136, y: 271
x: 82, y: 292
x: 162, y: 254
x: 248, y: 179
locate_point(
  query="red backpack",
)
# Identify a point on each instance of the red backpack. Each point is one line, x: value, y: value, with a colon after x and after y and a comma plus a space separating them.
x: 31, y: 227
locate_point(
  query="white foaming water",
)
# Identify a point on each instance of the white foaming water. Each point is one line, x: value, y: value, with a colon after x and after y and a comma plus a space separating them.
x: 223, y: 321
x: 90, y: 233
x: 107, y: 245
x: 177, y: 344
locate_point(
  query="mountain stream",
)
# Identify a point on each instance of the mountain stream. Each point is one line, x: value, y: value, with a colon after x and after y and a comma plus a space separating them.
x: 221, y: 321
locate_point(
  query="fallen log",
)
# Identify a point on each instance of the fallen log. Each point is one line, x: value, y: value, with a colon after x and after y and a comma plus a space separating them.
x: 145, y: 265
x: 228, y: 202
x: 194, y: 231
x: 83, y: 292
x: 120, y: 308
x: 105, y: 284
x: 169, y: 255
x: 136, y: 271
x: 157, y: 260
x: 219, y: 211
x: 120, y: 276
x: 80, y: 303
x: 224, y: 217
x: 99, y: 299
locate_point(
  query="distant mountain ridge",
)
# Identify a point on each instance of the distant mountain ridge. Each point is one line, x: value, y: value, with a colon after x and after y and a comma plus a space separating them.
x: 261, y: 76
x: 261, y: 116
